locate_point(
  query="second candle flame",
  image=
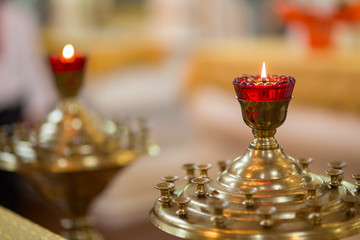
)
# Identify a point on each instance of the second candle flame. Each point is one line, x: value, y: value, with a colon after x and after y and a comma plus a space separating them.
x: 263, y: 72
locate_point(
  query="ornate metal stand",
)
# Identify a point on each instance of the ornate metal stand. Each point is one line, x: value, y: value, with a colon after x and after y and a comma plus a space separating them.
x: 73, y: 155
x: 263, y: 194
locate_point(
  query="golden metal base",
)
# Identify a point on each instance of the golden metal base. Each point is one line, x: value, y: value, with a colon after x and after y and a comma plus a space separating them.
x: 264, y: 194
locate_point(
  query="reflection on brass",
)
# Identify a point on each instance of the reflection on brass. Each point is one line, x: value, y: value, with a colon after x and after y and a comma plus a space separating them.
x: 73, y: 155
x: 308, y: 206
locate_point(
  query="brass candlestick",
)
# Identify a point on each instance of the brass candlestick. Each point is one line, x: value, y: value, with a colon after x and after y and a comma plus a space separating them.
x: 264, y: 194
x: 72, y: 156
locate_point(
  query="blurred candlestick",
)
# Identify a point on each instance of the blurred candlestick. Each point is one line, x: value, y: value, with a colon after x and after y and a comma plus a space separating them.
x: 68, y: 69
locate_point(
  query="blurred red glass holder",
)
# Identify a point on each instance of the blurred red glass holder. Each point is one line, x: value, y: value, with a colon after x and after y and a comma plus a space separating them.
x: 319, y: 27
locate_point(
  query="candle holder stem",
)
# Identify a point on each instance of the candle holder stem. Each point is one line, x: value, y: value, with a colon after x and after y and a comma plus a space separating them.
x: 79, y: 228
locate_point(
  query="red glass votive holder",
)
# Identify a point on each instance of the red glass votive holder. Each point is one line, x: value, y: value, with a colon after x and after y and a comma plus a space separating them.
x: 273, y: 88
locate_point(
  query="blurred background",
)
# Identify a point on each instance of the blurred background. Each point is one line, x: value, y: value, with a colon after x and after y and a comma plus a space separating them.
x: 173, y: 62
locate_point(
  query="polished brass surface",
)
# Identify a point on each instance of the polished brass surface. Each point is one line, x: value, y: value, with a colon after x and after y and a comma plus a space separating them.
x: 290, y: 202
x: 73, y: 155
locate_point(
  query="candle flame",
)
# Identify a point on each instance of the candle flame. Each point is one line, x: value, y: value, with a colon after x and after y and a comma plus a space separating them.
x: 68, y: 53
x: 263, y: 71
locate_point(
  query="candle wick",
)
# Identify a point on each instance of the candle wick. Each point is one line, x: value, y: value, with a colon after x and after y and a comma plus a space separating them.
x: 249, y: 76
x: 263, y: 79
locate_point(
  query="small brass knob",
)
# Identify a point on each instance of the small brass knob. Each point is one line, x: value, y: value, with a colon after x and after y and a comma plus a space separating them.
x: 218, y: 205
x: 200, y: 182
x: 170, y: 179
x: 357, y: 181
x: 190, y: 171
x: 249, y: 201
x: 311, y: 188
x: 203, y: 168
x: 350, y: 201
x: 304, y: 163
x: 223, y: 165
x: 338, y: 165
x: 182, y: 203
x: 164, y: 188
x: 335, y: 175
x: 316, y: 205
x: 266, y: 212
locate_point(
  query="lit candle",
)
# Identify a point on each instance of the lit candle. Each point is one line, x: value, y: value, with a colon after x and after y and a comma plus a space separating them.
x: 263, y: 73
x: 69, y: 60
x: 264, y: 87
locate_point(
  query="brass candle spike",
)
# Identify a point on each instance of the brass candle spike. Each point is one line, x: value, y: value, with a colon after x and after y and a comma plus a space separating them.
x: 203, y: 168
x: 200, y: 183
x: 311, y: 190
x: 304, y: 163
x: 223, y: 165
x: 357, y: 182
x: 170, y: 179
x: 218, y: 206
x: 350, y: 201
x: 182, y: 203
x: 164, y: 188
x: 335, y: 175
x: 249, y: 200
x: 265, y: 213
x: 190, y: 171
x: 338, y: 165
x: 315, y: 216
